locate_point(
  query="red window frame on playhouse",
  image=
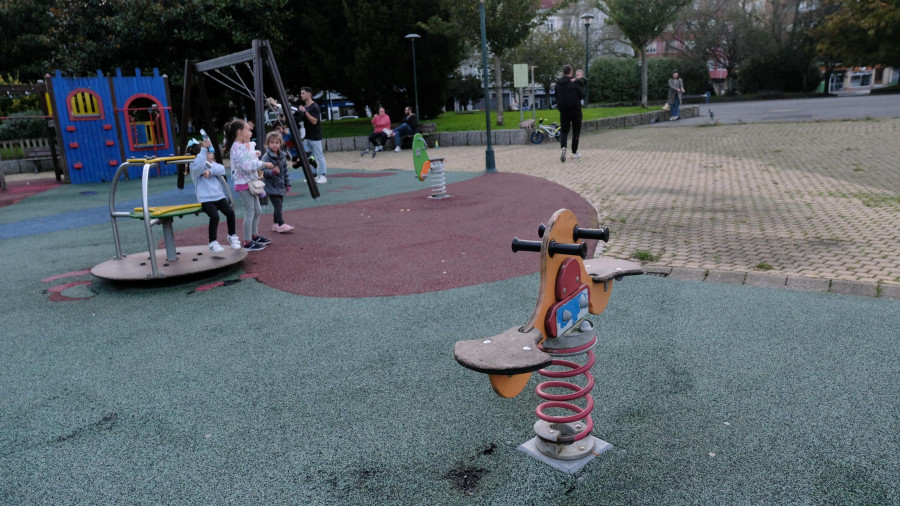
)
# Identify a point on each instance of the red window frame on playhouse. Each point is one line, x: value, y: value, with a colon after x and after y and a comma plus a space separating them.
x: 75, y: 114
x: 161, y: 134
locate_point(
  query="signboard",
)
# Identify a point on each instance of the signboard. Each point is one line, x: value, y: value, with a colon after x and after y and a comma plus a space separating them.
x: 520, y: 75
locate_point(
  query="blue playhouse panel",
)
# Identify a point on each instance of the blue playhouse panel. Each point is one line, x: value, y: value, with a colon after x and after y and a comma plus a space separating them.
x: 91, y: 130
x: 154, y: 88
x: 86, y: 138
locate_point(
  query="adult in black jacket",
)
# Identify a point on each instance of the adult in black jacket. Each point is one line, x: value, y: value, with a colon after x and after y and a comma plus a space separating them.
x: 569, y: 93
x: 409, y: 126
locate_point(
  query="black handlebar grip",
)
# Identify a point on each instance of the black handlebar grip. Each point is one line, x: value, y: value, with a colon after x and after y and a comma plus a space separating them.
x: 541, y: 229
x: 554, y: 248
x: 520, y: 245
x: 600, y: 234
x: 567, y: 249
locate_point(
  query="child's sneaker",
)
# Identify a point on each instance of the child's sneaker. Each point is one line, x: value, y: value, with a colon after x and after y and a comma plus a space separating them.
x: 284, y: 228
x: 254, y: 246
x: 397, y: 149
x: 576, y: 155
x: 235, y: 241
x: 215, y: 247
x: 262, y: 240
x: 321, y: 179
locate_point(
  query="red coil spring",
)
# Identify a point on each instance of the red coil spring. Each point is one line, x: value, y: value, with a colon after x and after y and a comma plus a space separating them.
x: 560, y: 401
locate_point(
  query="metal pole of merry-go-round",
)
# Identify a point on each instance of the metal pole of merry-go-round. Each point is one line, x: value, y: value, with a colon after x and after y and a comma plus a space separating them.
x: 490, y: 165
x: 412, y: 38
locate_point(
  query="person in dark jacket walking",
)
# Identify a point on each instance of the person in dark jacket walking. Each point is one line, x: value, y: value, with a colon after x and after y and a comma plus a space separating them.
x: 569, y: 94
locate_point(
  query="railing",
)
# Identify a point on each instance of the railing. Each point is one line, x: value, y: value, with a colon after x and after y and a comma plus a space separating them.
x: 17, y: 148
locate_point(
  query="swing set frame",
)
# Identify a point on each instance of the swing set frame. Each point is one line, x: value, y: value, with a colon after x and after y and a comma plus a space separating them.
x: 257, y: 55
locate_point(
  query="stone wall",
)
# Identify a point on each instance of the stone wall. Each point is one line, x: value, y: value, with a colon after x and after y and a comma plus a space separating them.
x: 520, y: 136
x: 25, y: 165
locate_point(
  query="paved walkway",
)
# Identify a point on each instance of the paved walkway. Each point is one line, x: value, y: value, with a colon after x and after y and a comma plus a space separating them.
x: 807, y: 205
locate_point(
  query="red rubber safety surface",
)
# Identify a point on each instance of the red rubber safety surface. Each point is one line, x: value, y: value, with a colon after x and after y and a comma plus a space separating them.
x: 20, y: 190
x: 407, y: 243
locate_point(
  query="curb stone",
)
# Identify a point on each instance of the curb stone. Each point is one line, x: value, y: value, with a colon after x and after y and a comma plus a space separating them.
x: 836, y: 286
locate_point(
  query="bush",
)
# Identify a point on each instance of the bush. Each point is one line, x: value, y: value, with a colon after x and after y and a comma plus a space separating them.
x: 23, y: 128
x: 771, y: 72
x: 615, y: 80
x: 618, y: 80
x: 887, y: 90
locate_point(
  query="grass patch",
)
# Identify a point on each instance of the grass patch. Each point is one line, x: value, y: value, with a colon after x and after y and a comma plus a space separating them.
x: 871, y: 200
x: 646, y: 256
x: 764, y: 266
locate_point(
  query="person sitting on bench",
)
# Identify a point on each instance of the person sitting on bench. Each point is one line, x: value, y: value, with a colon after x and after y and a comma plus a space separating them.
x: 408, y: 127
x: 382, y: 124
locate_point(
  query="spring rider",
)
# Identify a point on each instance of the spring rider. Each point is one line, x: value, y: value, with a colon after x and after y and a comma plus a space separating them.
x: 431, y: 168
x: 570, y: 289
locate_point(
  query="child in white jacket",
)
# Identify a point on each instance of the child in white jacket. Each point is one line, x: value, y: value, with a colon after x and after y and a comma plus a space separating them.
x: 210, y: 195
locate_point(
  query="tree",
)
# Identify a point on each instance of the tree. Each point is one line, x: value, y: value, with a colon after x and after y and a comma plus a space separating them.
x: 548, y: 51
x: 26, y: 49
x: 641, y: 21
x: 723, y: 32
x: 357, y: 47
x: 128, y: 34
x: 861, y: 32
x: 507, y: 24
x: 831, y: 42
x: 463, y: 89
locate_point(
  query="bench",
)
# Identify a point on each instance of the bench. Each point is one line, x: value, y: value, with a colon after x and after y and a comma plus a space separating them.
x: 428, y: 131
x: 685, y: 98
x: 38, y: 153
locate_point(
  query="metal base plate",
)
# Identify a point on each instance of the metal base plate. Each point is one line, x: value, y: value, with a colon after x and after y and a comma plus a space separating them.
x: 566, y: 466
x: 191, y: 260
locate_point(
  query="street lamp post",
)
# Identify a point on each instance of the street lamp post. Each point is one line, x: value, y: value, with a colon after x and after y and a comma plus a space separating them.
x: 412, y: 38
x: 587, y: 54
x: 490, y: 165
x: 533, y: 102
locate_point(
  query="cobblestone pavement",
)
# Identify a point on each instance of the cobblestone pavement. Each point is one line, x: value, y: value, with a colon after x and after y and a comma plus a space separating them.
x: 812, y: 205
